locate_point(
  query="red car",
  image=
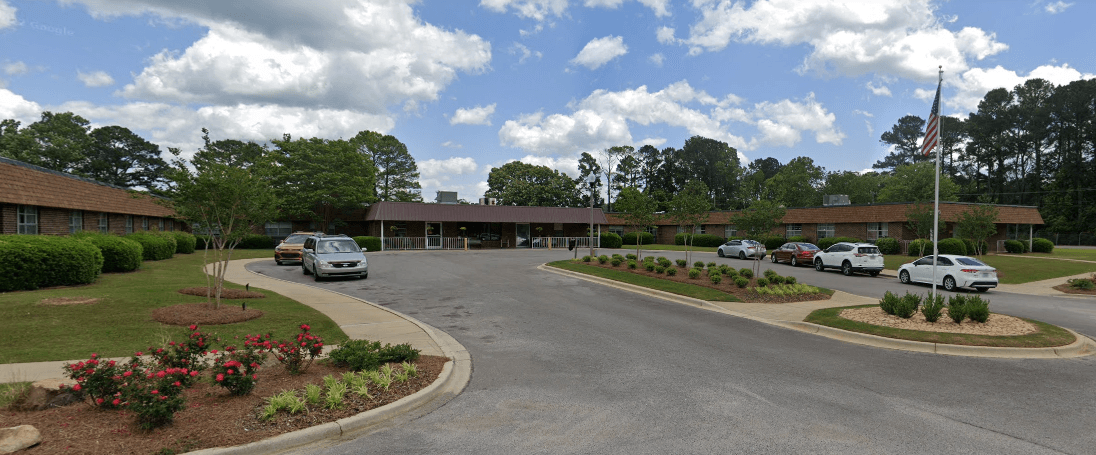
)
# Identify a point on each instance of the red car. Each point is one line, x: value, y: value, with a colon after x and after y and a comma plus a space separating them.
x: 795, y: 253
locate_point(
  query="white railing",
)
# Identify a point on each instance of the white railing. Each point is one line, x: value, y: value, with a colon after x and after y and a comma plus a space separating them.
x: 461, y: 243
x: 552, y: 243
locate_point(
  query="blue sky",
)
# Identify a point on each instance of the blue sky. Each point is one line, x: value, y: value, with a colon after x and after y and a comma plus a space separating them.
x: 470, y: 85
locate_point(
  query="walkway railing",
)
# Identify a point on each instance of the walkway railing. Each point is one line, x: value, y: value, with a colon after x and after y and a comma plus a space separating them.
x: 461, y: 243
x: 552, y: 243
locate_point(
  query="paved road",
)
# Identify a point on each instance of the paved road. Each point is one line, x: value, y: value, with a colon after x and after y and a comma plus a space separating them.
x: 561, y: 365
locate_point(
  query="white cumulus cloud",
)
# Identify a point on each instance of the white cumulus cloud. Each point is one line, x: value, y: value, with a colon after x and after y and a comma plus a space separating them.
x: 534, y: 9
x: 13, y: 106
x: 1057, y: 7
x: 95, y: 78
x: 657, y: 60
x: 973, y: 84
x: 881, y: 90
x: 479, y: 115
x: 7, y: 15
x: 524, y: 53
x: 15, y: 68
x: 433, y: 169
x: 600, y: 51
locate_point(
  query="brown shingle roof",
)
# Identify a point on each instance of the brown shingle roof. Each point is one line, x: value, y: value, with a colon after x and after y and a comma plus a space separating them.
x: 22, y: 183
x: 414, y: 211
x: 876, y: 213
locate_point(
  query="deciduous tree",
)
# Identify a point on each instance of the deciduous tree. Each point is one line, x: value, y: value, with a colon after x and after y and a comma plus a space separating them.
x: 690, y: 208
x: 322, y: 178
x: 638, y: 210
x: 517, y: 183
x: 119, y: 157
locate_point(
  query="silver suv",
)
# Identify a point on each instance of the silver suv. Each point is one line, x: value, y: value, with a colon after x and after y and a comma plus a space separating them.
x: 324, y: 256
x: 850, y: 257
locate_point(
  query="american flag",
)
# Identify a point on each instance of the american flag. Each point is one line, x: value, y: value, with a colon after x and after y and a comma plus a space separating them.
x: 932, y: 130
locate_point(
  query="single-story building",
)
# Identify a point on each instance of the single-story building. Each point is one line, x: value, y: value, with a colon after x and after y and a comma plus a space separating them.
x: 36, y: 200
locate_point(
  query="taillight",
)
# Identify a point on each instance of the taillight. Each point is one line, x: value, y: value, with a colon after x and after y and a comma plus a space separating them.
x: 859, y: 255
x: 971, y: 270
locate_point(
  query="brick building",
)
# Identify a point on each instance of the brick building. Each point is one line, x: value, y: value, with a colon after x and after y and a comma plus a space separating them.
x: 35, y: 200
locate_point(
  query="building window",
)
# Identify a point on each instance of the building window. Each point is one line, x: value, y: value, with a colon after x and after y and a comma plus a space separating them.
x: 826, y: 230
x: 144, y: 223
x: 653, y: 230
x: 877, y: 231
x: 400, y: 229
x: 27, y: 219
x: 618, y: 230
x: 161, y: 225
x: 1017, y: 231
x: 129, y: 224
x: 680, y: 229
x: 104, y: 223
x: 793, y: 230
x: 279, y: 229
x: 76, y: 221
x: 700, y: 229
x: 171, y: 225
x: 730, y: 230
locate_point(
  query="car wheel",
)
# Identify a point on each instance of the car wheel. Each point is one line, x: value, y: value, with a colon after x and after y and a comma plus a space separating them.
x: 365, y: 276
x: 818, y: 265
x: 981, y: 289
x: 315, y: 274
x: 873, y: 273
x: 742, y: 255
x: 949, y: 283
x: 773, y: 256
x: 277, y: 262
x: 720, y: 252
x: 305, y: 269
x: 846, y: 268
x: 794, y: 262
x: 904, y: 277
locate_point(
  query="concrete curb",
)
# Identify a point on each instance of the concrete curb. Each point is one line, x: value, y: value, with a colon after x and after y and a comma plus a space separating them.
x: 454, y: 376
x: 1082, y: 346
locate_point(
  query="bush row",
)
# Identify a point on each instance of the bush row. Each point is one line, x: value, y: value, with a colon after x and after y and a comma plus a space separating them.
x: 155, y: 246
x: 120, y: 254
x: 34, y: 261
x: 368, y: 243
x: 631, y: 238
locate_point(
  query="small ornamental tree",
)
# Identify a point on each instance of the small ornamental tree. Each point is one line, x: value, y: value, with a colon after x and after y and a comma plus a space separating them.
x: 977, y: 223
x: 638, y: 210
x: 758, y: 220
x: 690, y: 208
x: 919, y: 220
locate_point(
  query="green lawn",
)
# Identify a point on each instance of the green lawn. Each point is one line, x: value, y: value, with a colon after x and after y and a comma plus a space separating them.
x: 1070, y: 253
x: 673, y: 287
x: 1017, y: 269
x: 1047, y: 335
x: 121, y: 323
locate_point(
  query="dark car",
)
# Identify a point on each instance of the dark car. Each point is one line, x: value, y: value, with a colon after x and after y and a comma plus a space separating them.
x: 795, y: 253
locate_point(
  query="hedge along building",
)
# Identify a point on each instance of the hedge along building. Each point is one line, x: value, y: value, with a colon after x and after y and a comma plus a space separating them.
x: 868, y: 222
x: 35, y: 200
x: 412, y: 225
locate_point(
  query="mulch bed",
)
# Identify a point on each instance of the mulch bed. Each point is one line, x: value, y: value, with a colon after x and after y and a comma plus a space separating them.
x: 727, y: 285
x: 57, y: 301
x: 1066, y: 288
x: 212, y: 417
x: 203, y: 314
x: 226, y: 293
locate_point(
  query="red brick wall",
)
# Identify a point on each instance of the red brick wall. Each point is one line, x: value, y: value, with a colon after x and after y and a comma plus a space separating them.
x: 8, y: 219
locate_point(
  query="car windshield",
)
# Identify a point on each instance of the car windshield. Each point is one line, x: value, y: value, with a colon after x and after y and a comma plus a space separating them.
x: 296, y: 238
x: 970, y: 261
x: 339, y: 246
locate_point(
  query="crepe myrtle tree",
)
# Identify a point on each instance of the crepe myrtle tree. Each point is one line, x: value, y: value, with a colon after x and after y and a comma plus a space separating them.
x: 690, y: 207
x: 977, y: 223
x: 638, y: 210
x: 757, y: 220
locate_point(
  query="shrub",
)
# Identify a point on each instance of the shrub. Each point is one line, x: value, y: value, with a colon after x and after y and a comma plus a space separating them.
x: 716, y: 279
x: 799, y: 238
x: 664, y: 262
x: 907, y: 306
x: 699, y: 240
x: 297, y: 354
x: 698, y: 264
x: 610, y: 240
x: 1015, y: 246
x: 724, y: 268
x: 762, y: 282
x: 741, y: 282
x: 747, y: 273
x: 154, y: 246
x: 977, y: 309
x: 671, y: 271
x: 970, y: 247
x: 682, y: 263
x: 1084, y: 284
x: 933, y: 308
x: 694, y: 273
x: 774, y: 242
x: 829, y: 241
x: 649, y: 259
x: 34, y: 261
x: 888, y: 302
x: 365, y: 355
x: 916, y: 245
x: 650, y: 266
x: 155, y: 395
x: 630, y: 256
x: 237, y: 370
x: 769, y: 273
x: 586, y: 258
x: 616, y: 262
x: 119, y: 254
x: 957, y: 308
x: 185, y: 242
x: 711, y: 265
x: 632, y: 265
x: 789, y: 280
x: 1040, y: 245
x: 617, y: 256
x: 952, y: 246
x: 368, y: 243
x: 888, y: 245
x: 630, y: 238
x: 602, y: 259
x: 660, y: 269
x: 256, y: 242
x: 184, y: 354
x: 97, y: 379
x: 777, y: 279
x: 729, y: 271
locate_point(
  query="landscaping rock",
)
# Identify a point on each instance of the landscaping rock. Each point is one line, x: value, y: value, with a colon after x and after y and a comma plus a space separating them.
x: 46, y: 394
x: 18, y: 438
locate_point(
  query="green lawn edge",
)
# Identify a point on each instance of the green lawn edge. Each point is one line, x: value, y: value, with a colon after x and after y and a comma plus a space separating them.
x: 1047, y: 336
x: 673, y: 287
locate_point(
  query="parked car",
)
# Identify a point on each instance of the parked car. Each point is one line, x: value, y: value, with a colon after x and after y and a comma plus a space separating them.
x: 952, y: 271
x: 850, y: 257
x: 289, y: 250
x: 741, y: 249
x: 795, y: 253
x: 326, y: 256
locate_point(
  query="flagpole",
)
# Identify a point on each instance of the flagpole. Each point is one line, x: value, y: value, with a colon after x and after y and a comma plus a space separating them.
x: 936, y: 205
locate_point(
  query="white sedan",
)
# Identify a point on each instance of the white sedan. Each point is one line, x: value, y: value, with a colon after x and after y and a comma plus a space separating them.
x: 952, y: 271
x: 741, y: 249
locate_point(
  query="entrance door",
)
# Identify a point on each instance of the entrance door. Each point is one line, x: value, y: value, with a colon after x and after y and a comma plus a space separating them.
x: 522, y: 240
x: 433, y: 236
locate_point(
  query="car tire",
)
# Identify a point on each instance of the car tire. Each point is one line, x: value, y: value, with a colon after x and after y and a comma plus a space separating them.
x: 277, y: 262
x: 773, y: 256
x: 742, y: 255
x: 365, y: 276
x: 904, y: 277
x: 949, y: 283
x: 818, y: 265
x: 794, y: 262
x: 315, y: 275
x: 873, y: 274
x: 720, y: 252
x: 846, y: 268
x: 305, y: 270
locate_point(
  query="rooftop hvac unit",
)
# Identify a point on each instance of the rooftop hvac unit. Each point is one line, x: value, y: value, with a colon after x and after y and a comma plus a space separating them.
x: 447, y: 197
x: 835, y: 199
x: 488, y: 201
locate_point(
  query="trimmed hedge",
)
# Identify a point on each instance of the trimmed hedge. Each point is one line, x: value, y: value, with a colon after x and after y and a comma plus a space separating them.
x: 34, y: 261
x: 952, y: 246
x: 610, y: 240
x: 368, y: 243
x: 256, y: 242
x: 799, y: 238
x: 1040, y: 245
x: 1015, y: 246
x: 155, y: 245
x: 630, y: 238
x: 119, y: 254
x: 185, y: 242
x: 699, y: 240
x: 829, y: 241
x: 888, y: 245
x: 915, y: 247
x: 772, y: 243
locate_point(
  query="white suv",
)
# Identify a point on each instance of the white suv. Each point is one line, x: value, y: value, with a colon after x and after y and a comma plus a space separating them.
x: 850, y: 257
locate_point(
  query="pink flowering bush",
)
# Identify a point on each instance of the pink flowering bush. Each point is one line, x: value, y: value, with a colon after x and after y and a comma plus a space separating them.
x: 155, y: 394
x: 185, y: 354
x: 98, y: 380
x: 297, y: 355
x: 237, y: 369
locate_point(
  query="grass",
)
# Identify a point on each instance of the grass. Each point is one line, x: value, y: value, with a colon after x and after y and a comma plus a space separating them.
x: 1016, y: 269
x: 120, y: 324
x: 673, y: 287
x: 1084, y: 254
x: 11, y: 391
x: 1046, y: 336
